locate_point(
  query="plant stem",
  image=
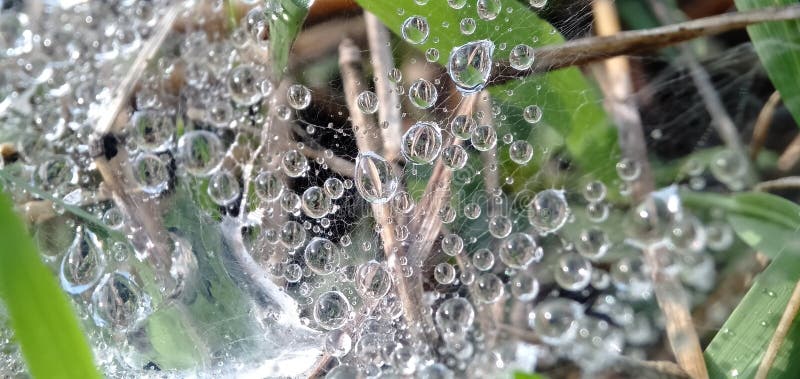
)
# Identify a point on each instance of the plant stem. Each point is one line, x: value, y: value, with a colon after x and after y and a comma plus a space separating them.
x: 588, y: 50
x: 389, y: 110
x: 617, y: 85
x: 409, y: 289
x: 763, y: 123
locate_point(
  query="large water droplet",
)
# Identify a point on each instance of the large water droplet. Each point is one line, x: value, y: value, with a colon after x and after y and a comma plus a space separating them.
x: 321, y: 255
x: 415, y: 30
x: 470, y: 64
x: 151, y: 173
x: 199, y: 151
x: 83, y: 264
x: 423, y: 94
x: 422, y: 143
x: 489, y: 9
x: 548, y: 211
x: 118, y: 302
x: 374, y: 178
x: 332, y: 310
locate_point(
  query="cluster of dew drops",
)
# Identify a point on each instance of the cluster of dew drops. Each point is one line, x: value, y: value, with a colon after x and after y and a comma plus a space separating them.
x: 583, y: 295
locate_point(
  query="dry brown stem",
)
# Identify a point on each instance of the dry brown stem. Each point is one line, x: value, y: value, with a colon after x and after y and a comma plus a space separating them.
x: 588, y: 50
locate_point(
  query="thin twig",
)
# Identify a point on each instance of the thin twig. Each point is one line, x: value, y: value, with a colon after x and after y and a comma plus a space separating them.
x: 720, y: 119
x: 615, y: 366
x: 790, y: 156
x: 389, y: 100
x: 335, y: 163
x: 780, y: 333
x: 122, y: 94
x: 763, y: 123
x: 789, y: 182
x: 618, y: 88
x: 588, y: 50
x: 409, y: 289
x: 672, y: 299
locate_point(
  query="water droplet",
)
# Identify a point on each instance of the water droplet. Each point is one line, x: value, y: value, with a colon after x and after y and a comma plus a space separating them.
x: 268, y: 186
x: 484, y: 138
x: 223, y: 188
x: 524, y: 286
x: 488, y: 288
x: 538, y: 4
x: 118, y: 302
x: 455, y: 157
x: 444, y: 273
x: 489, y: 9
x: 415, y: 30
x: 455, y: 316
x: 520, y: 250
x: 532, y: 114
x: 244, y: 85
x: 316, y: 203
x: 338, y: 343
x: 332, y: 310
x: 548, y: 211
x: 298, y: 96
x: 423, y: 94
x: 592, y: 243
x: 321, y: 256
x: 574, y: 272
x: 294, y: 164
x: 521, y: 57
x: 555, y: 320
x: 520, y: 152
x: 452, y: 244
x: 483, y: 259
x: 151, y: 173
x: 456, y: 4
x: 334, y: 188
x: 500, y: 226
x: 374, y: 178
x: 462, y: 126
x: 84, y: 262
x: 200, y: 152
x: 467, y: 26
x: 152, y: 131
x: 422, y: 143
x: 367, y: 102
x: 372, y: 280
x: 470, y: 64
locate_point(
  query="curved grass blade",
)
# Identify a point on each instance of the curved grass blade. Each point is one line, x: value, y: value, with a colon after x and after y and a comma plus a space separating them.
x: 43, y: 320
x: 285, y: 20
x: 778, y: 46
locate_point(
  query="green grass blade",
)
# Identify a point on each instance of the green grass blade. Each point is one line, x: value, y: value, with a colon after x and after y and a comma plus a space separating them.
x: 737, y: 350
x: 283, y: 29
x: 43, y: 320
x: 572, y: 106
x: 778, y: 46
x: 768, y: 223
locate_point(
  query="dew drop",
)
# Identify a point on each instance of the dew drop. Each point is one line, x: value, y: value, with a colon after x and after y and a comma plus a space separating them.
x: 470, y: 64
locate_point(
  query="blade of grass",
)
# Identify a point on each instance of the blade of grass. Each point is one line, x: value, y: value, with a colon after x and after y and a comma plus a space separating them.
x: 283, y: 29
x: 766, y: 222
x: 778, y: 46
x: 43, y: 320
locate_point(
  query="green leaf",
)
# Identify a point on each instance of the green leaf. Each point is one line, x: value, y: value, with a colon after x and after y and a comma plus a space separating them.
x: 768, y: 223
x: 777, y: 45
x: 571, y: 105
x: 525, y: 375
x: 283, y: 29
x: 43, y: 320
